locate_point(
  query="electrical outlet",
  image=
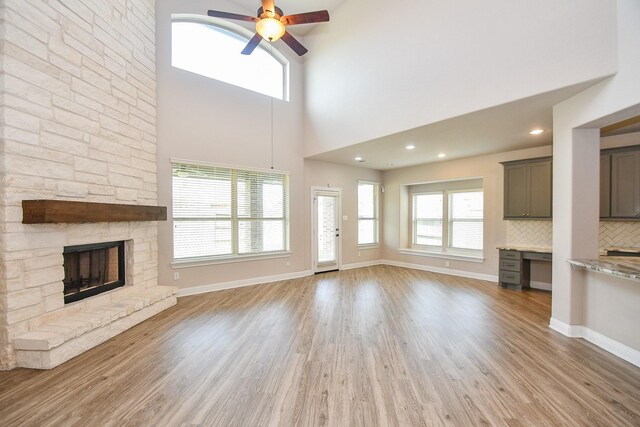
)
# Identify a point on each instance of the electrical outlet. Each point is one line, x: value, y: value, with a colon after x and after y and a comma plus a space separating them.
x: 176, y: 275
x: 447, y: 264
x: 288, y: 262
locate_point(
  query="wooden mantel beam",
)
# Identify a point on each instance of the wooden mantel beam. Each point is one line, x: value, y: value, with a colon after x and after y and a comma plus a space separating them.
x: 63, y: 211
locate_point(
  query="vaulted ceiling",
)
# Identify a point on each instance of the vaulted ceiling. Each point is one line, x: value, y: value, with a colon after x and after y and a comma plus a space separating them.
x: 500, y: 128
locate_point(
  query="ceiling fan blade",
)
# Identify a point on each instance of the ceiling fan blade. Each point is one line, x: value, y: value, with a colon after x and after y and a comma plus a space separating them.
x: 306, y: 18
x: 294, y: 44
x: 227, y: 15
x: 268, y: 5
x: 251, y: 46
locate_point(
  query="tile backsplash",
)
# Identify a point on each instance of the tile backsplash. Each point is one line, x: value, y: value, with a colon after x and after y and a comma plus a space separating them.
x: 619, y: 233
x: 540, y: 233
x: 530, y: 233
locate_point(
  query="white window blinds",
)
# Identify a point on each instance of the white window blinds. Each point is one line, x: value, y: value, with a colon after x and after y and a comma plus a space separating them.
x: 447, y: 217
x: 465, y: 220
x: 368, y: 213
x: 427, y: 219
x: 223, y: 212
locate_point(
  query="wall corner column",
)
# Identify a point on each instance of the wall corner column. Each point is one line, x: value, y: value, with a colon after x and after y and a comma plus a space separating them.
x: 576, y: 179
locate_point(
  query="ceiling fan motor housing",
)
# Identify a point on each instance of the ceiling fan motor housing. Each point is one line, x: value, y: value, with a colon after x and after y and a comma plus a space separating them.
x: 277, y: 14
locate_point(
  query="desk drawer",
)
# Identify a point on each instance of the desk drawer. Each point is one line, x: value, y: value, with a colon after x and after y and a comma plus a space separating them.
x: 510, y: 264
x: 510, y: 254
x: 510, y: 277
x: 538, y: 256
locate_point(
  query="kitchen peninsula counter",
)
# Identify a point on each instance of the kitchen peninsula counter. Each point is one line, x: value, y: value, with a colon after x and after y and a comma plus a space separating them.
x: 627, y: 267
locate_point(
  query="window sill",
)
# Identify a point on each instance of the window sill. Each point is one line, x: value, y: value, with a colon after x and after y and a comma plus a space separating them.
x: 369, y: 246
x: 446, y: 255
x: 199, y: 262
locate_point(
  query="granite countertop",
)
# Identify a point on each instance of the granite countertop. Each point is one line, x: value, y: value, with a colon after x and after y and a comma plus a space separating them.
x: 539, y: 249
x: 624, y: 266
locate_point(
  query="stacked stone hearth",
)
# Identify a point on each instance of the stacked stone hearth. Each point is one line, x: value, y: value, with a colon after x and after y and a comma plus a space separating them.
x: 78, y: 123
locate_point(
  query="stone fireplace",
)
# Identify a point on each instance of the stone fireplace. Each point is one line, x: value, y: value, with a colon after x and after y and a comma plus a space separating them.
x: 65, y: 314
x: 78, y: 124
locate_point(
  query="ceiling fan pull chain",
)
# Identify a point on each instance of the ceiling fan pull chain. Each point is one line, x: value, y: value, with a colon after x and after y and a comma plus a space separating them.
x: 271, y: 97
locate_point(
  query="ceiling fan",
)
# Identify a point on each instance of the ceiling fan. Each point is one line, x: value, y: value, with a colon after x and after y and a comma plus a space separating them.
x: 271, y: 23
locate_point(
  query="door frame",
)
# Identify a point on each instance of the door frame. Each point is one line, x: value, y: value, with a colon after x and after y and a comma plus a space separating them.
x: 314, y: 248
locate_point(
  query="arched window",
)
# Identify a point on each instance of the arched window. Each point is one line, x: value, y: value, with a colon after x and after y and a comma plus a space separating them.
x: 211, y: 48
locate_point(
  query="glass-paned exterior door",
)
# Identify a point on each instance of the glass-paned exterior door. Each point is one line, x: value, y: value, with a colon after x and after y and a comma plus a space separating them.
x: 326, y: 230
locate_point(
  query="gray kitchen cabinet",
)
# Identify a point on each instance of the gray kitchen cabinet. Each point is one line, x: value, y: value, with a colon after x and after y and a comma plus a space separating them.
x: 605, y: 185
x: 527, y: 188
x: 625, y: 184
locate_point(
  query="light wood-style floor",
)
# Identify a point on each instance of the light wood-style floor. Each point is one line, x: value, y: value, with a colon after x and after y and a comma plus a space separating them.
x: 373, y: 346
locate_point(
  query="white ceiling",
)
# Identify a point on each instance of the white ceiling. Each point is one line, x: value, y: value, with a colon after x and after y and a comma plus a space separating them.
x: 502, y: 128
x: 291, y: 7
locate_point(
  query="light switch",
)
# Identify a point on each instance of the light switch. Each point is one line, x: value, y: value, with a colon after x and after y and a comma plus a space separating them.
x: 345, y: 218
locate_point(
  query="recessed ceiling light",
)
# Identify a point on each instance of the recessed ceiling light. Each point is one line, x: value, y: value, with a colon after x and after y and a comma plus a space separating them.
x: 536, y: 132
x: 442, y: 155
x: 358, y: 159
x: 410, y: 147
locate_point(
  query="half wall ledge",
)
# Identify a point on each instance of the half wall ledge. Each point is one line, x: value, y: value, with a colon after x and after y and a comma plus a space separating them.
x: 64, y: 211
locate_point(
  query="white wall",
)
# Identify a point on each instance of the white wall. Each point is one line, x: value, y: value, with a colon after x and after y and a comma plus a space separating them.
x: 322, y: 174
x: 575, y: 220
x: 202, y: 119
x: 487, y: 167
x: 611, y: 307
x: 375, y: 71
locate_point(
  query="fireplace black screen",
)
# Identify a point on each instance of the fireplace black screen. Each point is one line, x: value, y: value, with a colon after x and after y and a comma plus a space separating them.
x: 92, y: 269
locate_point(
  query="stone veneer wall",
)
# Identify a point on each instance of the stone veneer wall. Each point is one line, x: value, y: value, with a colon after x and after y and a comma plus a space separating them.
x: 78, y: 123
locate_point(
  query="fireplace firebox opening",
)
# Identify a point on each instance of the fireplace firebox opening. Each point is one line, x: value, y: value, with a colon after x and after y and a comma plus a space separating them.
x: 92, y: 269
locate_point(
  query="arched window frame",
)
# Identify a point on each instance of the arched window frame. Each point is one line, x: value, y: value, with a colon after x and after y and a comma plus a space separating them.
x: 245, y: 34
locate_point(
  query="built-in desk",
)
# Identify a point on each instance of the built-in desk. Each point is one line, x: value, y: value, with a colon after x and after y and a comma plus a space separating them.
x: 515, y: 265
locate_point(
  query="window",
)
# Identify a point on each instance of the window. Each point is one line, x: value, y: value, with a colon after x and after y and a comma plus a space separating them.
x: 450, y: 220
x: 213, y: 50
x: 368, y: 213
x: 220, y: 212
x: 465, y: 220
x: 427, y: 219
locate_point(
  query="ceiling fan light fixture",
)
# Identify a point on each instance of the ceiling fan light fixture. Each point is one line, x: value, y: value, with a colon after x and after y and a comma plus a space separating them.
x: 270, y: 29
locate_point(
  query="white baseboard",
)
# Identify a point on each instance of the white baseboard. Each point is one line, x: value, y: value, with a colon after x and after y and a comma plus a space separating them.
x: 540, y: 285
x: 268, y: 279
x: 612, y: 346
x: 449, y: 271
x: 241, y: 283
x: 565, y: 329
x: 360, y: 265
